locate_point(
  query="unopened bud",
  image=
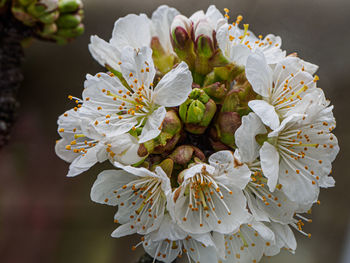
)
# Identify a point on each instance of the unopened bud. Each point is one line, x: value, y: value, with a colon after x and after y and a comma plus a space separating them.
x: 184, y: 154
x: 227, y: 124
x: 217, y: 91
x: 181, y: 39
x: 171, y: 123
x: 67, y: 6
x: 197, y: 112
x: 49, y: 29
x: 69, y: 21
x: 71, y: 32
x: 203, y: 35
x: 49, y: 18
x: 170, y: 135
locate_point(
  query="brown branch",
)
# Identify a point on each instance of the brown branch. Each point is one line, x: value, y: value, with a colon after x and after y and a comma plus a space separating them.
x: 12, y: 32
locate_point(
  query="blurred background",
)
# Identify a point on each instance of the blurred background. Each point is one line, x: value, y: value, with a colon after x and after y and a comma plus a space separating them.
x: 46, y: 217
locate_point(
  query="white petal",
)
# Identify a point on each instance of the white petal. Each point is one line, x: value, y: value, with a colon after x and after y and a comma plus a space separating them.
x: 153, y: 126
x: 266, y: 112
x: 106, y: 183
x: 161, y: 21
x: 174, y: 88
x: 125, y: 148
x: 124, y: 230
x: 104, y: 53
x: 84, y: 162
x: 63, y: 153
x: 245, y: 137
x: 214, y: 15
x: 229, y: 170
x: 259, y: 74
x: 239, y: 54
x: 131, y: 30
x: 137, y: 67
x: 269, y: 158
x: 309, y: 67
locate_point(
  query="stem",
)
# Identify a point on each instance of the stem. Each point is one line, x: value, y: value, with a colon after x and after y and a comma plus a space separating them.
x: 12, y: 32
x: 148, y: 259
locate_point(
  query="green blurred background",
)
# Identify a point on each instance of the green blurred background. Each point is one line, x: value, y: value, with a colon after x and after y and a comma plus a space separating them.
x: 46, y: 217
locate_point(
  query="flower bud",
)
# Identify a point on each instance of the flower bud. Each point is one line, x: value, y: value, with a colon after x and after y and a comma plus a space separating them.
x: 227, y: 124
x: 170, y: 135
x: 203, y: 35
x: 184, y: 154
x: 181, y: 40
x: 67, y: 6
x: 69, y: 21
x: 50, y: 17
x: 197, y: 112
x: 217, y: 91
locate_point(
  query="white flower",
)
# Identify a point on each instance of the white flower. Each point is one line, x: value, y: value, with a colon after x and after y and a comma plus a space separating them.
x: 162, y: 18
x: 213, y: 17
x: 140, y: 195
x: 298, y: 154
x: 122, y: 108
x: 210, y: 197
x: 170, y: 241
x: 282, y: 89
x: 246, y: 246
x: 237, y: 44
x: 284, y: 238
x: 79, y: 145
x: 265, y: 205
x: 134, y: 31
x: 129, y: 31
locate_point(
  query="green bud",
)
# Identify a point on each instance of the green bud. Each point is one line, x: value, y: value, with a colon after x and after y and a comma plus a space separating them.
x: 68, y: 21
x: 67, y: 6
x: 204, y: 47
x: 195, y: 112
x: 71, y: 32
x: 20, y: 14
x: 199, y: 94
x: 208, y: 114
x: 228, y: 72
x: 36, y: 9
x: 49, y: 18
x: 216, y: 91
x: 49, y: 29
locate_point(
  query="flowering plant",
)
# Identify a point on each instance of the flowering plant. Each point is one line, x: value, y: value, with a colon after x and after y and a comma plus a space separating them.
x: 221, y: 142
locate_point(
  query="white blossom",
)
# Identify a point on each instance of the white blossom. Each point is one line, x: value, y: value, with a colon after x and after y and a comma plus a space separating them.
x: 140, y: 195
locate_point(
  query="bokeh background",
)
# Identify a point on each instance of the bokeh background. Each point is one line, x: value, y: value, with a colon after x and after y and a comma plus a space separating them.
x: 46, y: 217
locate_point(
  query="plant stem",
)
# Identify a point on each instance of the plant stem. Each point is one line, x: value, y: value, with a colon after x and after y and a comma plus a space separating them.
x: 12, y: 32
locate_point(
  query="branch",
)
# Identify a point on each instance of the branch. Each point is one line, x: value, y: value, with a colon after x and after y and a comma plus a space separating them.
x: 12, y: 32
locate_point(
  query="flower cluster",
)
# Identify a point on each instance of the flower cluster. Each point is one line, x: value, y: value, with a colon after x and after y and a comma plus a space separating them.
x: 220, y: 141
x: 54, y: 20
